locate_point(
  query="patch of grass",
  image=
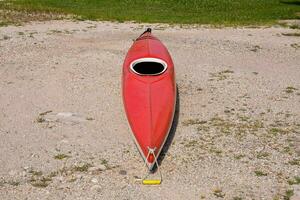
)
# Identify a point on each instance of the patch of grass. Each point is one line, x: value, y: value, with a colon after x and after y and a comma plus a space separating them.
x: 287, y: 149
x: 41, y: 182
x: 82, y: 168
x: 93, y: 26
x: 260, y: 173
x: 227, y: 71
x: 90, y: 118
x: 36, y: 173
x: 240, y: 156
x: 288, y: 194
x: 222, y: 75
x: 295, y: 46
x: 218, y: 12
x: 216, y: 151
x: 255, y: 48
x: 13, y: 183
x: 290, y: 89
x: 13, y: 14
x: 191, y: 143
x: 237, y: 198
x: 275, y: 131
x: 218, y: 193
x: 193, y: 122
x: 104, y: 161
x: 61, y: 156
x: 294, y: 26
x: 55, y: 31
x: 5, y: 37
x: 239, y: 128
x: 262, y: 155
x: 38, y: 179
x: 294, y: 181
x: 294, y: 162
x: 291, y: 34
x: 40, y: 119
x: 243, y: 118
x: 4, y: 23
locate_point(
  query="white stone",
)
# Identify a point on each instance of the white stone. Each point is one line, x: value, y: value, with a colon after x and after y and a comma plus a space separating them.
x: 94, y: 180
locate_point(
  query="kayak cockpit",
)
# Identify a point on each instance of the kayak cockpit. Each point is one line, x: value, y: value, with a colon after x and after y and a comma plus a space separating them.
x: 148, y: 66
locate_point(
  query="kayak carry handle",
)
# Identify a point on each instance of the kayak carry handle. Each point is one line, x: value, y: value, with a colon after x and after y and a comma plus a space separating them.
x: 152, y: 181
x: 148, y: 30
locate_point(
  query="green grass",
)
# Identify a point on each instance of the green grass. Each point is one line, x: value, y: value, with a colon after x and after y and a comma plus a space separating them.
x: 13, y: 183
x: 288, y: 194
x: 291, y: 34
x: 290, y: 89
x: 61, y: 156
x: 82, y: 168
x: 294, y: 181
x: 294, y: 162
x: 217, y: 12
x: 218, y: 193
x: 41, y: 182
x: 260, y: 173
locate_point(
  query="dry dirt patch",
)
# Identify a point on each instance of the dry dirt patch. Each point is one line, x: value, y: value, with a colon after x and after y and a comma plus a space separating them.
x: 65, y: 135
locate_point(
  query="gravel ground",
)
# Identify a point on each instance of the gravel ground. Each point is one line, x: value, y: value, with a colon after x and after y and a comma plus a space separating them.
x: 64, y: 134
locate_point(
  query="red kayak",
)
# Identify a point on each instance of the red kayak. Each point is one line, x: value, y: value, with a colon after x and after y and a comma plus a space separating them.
x: 149, y: 94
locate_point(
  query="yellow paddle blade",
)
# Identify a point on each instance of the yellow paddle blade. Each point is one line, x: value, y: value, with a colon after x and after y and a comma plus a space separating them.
x: 151, y: 182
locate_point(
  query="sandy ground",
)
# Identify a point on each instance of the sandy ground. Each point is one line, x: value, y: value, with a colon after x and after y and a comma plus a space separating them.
x: 64, y: 134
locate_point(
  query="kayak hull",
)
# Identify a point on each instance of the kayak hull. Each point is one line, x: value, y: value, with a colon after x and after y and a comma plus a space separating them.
x: 149, y: 98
